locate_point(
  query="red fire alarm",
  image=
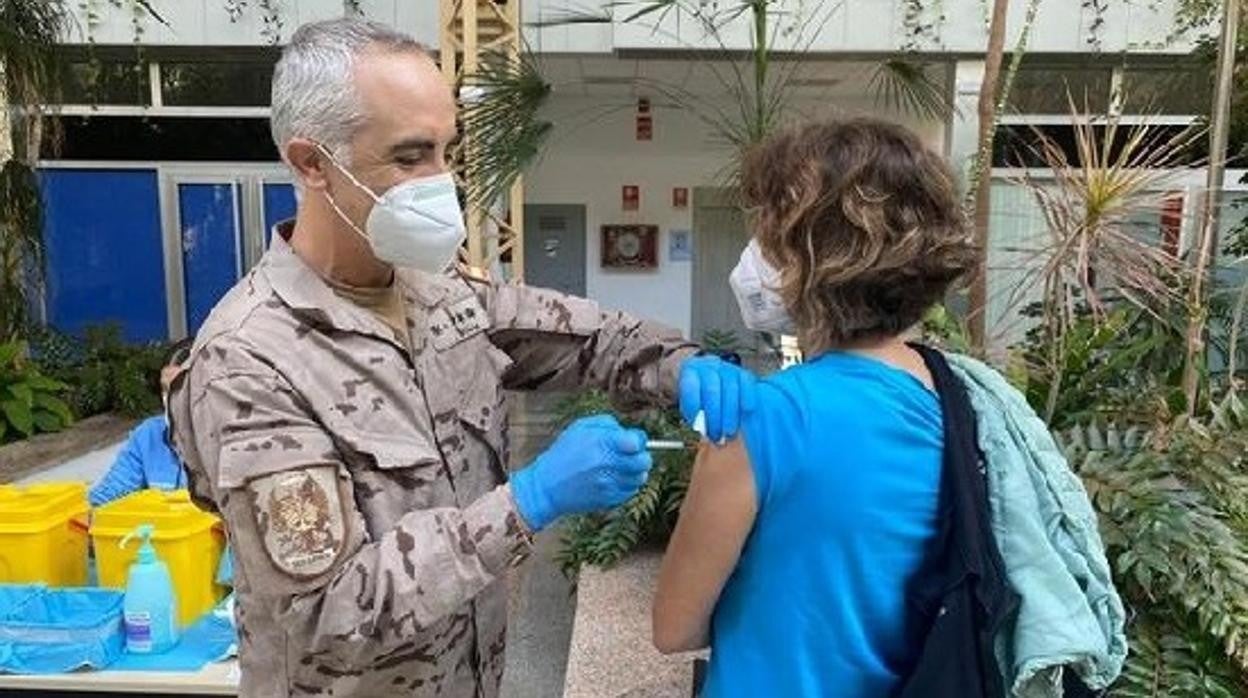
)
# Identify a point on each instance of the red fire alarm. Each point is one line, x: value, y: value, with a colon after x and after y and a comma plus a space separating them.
x: 631, y: 197
x: 645, y: 120
x: 680, y: 197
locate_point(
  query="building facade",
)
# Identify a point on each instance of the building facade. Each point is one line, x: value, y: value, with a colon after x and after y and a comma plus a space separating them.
x: 166, y: 184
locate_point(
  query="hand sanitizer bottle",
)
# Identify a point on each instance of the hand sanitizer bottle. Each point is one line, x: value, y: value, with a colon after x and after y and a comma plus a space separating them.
x: 150, y: 608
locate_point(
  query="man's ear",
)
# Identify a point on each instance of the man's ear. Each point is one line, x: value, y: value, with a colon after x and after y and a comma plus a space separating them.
x: 309, y: 162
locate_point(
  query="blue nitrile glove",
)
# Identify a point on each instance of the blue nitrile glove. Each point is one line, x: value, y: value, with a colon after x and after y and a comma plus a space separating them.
x: 594, y: 464
x: 722, y: 391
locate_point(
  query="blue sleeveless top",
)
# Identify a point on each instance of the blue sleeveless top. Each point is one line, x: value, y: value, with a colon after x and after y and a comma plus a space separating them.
x: 846, y: 453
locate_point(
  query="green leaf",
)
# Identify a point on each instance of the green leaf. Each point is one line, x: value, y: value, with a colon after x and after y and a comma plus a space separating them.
x: 21, y: 392
x: 8, y: 352
x: 48, y: 422
x: 42, y: 382
x: 54, y: 406
x: 19, y: 416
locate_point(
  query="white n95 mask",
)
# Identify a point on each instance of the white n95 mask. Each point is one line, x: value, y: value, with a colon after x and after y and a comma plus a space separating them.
x: 754, y: 283
x: 416, y: 224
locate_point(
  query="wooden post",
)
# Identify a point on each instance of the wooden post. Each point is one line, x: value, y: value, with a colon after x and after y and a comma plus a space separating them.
x: 1207, y: 242
x: 978, y: 311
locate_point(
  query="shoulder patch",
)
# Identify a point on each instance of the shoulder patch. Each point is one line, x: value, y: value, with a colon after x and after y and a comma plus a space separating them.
x: 300, y: 519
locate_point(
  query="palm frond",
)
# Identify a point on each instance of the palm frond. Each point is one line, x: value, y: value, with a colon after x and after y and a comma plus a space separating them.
x: 501, y: 126
x: 21, y: 245
x: 907, y: 86
x: 29, y: 32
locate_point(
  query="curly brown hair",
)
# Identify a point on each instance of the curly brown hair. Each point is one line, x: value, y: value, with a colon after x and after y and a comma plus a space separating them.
x: 863, y: 223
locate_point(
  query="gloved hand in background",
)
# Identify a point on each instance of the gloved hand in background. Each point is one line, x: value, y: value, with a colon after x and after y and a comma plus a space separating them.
x: 594, y: 464
x: 724, y: 392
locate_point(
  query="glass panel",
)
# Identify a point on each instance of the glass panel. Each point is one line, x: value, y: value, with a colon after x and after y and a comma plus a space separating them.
x: 1040, y: 89
x: 1163, y: 90
x: 210, y: 248
x: 106, y: 82
x: 220, y: 84
x: 279, y: 205
x: 154, y: 138
x: 105, y: 256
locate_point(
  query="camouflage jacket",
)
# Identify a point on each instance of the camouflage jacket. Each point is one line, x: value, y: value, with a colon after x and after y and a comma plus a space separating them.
x: 363, y: 485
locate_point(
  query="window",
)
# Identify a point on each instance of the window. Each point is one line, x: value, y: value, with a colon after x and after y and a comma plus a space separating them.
x: 1184, y: 91
x: 194, y: 139
x: 1043, y: 89
x: 1015, y: 145
x: 216, y: 83
x: 113, y: 81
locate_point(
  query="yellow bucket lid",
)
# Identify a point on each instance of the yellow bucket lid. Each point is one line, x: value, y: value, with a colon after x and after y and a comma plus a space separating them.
x: 31, y: 508
x: 172, y: 514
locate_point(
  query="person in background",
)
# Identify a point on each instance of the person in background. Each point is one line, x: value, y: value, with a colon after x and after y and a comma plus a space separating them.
x: 147, y: 460
x: 796, y: 543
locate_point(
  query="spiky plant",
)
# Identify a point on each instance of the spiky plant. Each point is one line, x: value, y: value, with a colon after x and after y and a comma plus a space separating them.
x: 1090, y: 256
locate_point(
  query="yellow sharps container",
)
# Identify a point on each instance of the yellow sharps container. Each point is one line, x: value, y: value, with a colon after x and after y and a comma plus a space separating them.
x: 188, y: 539
x: 43, y: 534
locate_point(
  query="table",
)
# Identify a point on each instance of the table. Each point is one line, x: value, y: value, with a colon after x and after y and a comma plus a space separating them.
x: 219, y: 679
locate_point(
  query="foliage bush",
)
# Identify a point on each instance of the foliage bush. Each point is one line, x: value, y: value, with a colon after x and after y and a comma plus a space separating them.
x: 1173, y: 507
x: 603, y: 539
x: 30, y: 402
x: 105, y: 373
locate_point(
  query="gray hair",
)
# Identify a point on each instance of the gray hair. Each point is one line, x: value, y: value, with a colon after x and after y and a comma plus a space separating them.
x: 314, y: 94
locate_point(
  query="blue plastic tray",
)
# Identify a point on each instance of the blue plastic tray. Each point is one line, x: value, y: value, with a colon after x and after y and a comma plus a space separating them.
x: 55, y: 630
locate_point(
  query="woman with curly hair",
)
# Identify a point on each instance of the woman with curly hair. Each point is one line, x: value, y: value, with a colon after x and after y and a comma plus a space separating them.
x: 796, y: 543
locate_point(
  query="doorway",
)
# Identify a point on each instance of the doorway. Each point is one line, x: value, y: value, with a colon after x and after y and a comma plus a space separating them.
x: 216, y: 223
x: 554, y: 247
x: 719, y: 236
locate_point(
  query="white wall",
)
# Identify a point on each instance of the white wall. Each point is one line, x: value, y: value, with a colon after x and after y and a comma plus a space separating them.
x: 207, y: 23
x: 593, y: 153
x: 1063, y: 26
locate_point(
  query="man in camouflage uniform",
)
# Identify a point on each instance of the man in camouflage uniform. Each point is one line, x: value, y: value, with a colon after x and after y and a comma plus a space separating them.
x: 347, y: 418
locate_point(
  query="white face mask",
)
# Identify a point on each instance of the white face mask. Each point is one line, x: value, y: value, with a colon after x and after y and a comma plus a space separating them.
x: 754, y: 282
x: 417, y: 223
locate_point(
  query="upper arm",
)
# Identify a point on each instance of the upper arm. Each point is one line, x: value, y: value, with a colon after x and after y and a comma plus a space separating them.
x: 124, y: 476
x: 559, y: 341
x: 275, y: 473
x: 716, y: 518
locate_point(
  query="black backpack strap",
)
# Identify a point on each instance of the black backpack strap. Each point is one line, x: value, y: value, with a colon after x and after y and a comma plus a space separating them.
x: 964, y: 499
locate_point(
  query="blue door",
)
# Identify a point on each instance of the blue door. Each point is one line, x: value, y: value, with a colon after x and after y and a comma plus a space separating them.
x: 105, y: 258
x: 279, y: 205
x: 210, y: 226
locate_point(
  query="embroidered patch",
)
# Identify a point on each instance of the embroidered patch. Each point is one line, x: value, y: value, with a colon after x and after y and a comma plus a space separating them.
x: 300, y: 517
x: 457, y: 321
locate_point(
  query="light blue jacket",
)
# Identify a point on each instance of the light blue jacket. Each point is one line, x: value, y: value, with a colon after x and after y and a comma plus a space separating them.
x: 147, y: 461
x: 1070, y: 614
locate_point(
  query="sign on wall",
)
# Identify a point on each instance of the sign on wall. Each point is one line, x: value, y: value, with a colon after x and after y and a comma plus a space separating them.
x: 630, y: 197
x: 630, y: 246
x: 680, y: 246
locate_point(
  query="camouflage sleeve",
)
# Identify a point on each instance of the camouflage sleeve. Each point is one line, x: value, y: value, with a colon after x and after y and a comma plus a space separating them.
x: 289, y: 503
x: 560, y: 342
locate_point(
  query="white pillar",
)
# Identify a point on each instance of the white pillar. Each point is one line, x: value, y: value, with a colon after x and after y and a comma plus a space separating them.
x: 962, y: 136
